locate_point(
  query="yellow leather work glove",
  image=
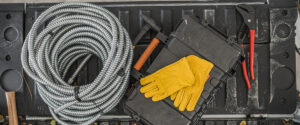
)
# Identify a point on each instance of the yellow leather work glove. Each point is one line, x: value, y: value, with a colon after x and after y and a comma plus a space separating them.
x: 167, y: 80
x: 187, y: 98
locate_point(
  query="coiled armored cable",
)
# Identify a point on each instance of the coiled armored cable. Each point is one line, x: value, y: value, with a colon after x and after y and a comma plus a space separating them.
x: 73, y: 31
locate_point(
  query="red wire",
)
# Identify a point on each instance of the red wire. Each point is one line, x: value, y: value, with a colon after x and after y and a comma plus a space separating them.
x: 252, y: 38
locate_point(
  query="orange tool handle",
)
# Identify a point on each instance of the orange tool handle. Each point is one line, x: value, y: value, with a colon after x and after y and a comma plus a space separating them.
x: 11, y: 106
x: 138, y: 65
x: 252, y: 38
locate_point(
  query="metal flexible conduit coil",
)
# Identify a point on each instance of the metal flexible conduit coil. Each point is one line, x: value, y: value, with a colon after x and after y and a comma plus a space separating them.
x: 59, y: 37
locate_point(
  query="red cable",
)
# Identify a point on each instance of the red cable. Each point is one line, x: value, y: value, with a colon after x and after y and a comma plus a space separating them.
x: 252, y: 38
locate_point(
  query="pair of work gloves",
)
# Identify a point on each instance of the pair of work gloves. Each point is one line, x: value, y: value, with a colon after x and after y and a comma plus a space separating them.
x: 183, y: 81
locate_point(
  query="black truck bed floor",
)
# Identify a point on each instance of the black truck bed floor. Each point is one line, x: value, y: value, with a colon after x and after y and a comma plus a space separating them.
x: 273, y: 91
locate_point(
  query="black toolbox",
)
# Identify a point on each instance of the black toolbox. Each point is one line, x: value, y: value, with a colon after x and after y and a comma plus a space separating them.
x: 273, y: 91
x: 192, y: 37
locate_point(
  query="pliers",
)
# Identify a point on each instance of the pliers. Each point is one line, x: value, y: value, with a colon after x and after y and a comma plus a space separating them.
x: 248, y: 14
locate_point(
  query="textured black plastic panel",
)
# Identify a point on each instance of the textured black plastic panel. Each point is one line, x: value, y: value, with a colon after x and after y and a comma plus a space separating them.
x: 273, y: 91
x: 11, y: 41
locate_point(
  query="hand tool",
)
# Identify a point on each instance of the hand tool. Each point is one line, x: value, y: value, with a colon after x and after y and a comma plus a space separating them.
x: 150, y: 23
x: 11, y: 80
x: 248, y: 14
x: 153, y: 44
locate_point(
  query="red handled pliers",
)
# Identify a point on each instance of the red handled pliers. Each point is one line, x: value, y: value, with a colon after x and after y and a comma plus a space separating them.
x: 248, y: 14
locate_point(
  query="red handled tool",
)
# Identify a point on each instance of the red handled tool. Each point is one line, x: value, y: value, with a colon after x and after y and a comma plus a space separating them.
x: 248, y: 14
